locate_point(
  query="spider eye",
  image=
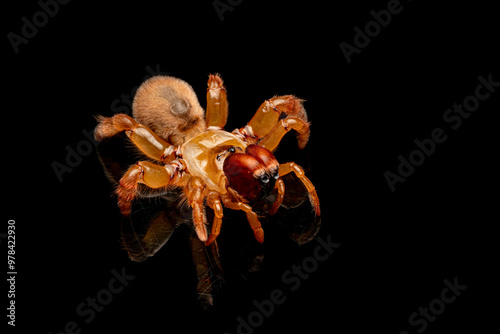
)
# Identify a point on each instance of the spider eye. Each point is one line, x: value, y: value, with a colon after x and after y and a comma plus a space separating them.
x: 231, y: 149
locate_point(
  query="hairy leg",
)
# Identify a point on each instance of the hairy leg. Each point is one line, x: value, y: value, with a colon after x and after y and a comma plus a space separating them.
x: 214, y: 202
x: 273, y: 138
x: 195, y: 194
x: 216, y: 115
x: 280, y: 187
x: 270, y: 112
x: 152, y: 175
x: 299, y: 172
x: 144, y: 138
x: 251, y: 216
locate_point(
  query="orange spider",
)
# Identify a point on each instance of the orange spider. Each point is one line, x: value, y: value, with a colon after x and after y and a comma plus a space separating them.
x: 231, y: 169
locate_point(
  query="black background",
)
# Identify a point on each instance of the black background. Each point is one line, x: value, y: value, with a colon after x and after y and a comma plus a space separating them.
x: 396, y: 249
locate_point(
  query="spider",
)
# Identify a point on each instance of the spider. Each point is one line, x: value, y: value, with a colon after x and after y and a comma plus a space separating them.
x: 212, y: 166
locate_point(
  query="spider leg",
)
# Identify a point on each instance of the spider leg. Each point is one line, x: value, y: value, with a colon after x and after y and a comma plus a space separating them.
x: 251, y: 216
x: 270, y: 112
x: 146, y: 172
x: 299, y: 172
x: 280, y: 187
x: 216, y: 115
x: 273, y: 138
x: 144, y: 138
x: 195, y: 192
x: 213, y: 201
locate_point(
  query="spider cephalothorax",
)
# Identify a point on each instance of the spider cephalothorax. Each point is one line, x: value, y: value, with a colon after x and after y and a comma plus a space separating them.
x: 213, y: 166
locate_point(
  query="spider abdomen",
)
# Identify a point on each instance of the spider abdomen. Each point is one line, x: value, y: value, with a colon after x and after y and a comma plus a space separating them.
x: 170, y: 108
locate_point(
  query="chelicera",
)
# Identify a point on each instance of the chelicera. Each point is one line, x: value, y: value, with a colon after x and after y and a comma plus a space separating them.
x: 190, y: 149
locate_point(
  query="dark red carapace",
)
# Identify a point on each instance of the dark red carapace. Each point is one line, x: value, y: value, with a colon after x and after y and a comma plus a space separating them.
x: 252, y: 174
